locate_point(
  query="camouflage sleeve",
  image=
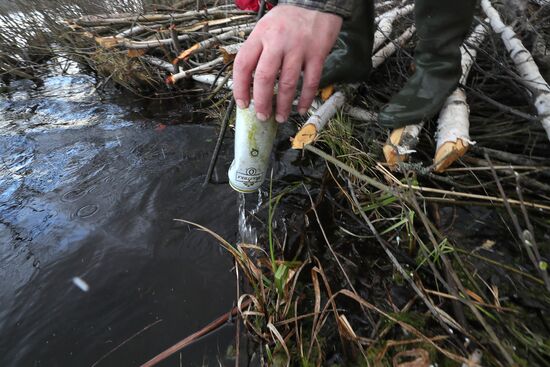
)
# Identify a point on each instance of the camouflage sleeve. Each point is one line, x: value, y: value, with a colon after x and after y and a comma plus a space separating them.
x: 342, y: 8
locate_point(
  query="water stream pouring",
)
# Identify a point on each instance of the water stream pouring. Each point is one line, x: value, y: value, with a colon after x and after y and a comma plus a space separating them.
x: 253, y: 145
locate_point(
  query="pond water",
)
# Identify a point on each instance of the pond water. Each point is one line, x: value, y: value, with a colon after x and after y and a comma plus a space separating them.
x: 89, y: 186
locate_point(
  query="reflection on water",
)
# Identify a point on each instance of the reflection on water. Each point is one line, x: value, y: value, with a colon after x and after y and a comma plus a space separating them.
x: 89, y: 189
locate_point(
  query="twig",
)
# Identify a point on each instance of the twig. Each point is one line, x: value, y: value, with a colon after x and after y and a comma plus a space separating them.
x: 213, y: 326
x: 125, y: 342
x: 328, y: 242
x: 526, y: 237
x: 420, y: 189
x: 221, y: 135
x: 434, y: 311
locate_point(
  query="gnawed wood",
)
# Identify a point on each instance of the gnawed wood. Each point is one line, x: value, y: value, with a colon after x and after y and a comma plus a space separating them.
x: 453, y: 124
x: 318, y: 120
x: 401, y: 143
x: 229, y: 52
x: 241, y: 31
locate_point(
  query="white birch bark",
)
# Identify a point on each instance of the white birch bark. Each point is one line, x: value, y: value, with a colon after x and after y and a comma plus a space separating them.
x: 385, y: 24
x: 172, y: 79
x: 383, y: 4
x: 213, y: 41
x: 454, y: 120
x: 130, y: 44
x: 210, y: 79
x: 389, y: 49
x: 326, y: 111
x: 526, y: 66
x: 360, y: 113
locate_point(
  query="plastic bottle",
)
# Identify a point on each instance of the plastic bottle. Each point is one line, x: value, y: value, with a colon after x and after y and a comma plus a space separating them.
x: 253, y: 145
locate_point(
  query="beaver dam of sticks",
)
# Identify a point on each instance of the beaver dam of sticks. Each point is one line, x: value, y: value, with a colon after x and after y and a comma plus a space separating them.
x: 423, y: 246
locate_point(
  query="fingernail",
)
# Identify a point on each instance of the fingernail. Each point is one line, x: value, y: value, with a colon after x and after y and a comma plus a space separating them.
x: 302, y: 111
x: 261, y: 116
x: 240, y: 103
x: 280, y: 118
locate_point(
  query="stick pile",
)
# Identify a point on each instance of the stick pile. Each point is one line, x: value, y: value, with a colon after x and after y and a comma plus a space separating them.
x: 162, y: 48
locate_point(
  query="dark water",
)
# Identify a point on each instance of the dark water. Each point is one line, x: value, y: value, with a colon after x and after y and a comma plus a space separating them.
x: 89, y: 187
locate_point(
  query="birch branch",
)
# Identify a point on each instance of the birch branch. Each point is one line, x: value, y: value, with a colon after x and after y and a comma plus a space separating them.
x: 137, y: 30
x: 528, y: 69
x: 172, y: 79
x: 385, y: 52
x: 360, y: 113
x: 159, y: 63
x: 124, y: 19
x: 383, y: 4
x: 453, y: 124
x: 210, y: 79
x: 242, y: 31
x: 385, y: 24
x: 140, y: 45
x: 401, y: 143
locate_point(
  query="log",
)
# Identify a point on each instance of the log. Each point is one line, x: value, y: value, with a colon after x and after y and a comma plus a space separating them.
x: 165, y: 65
x: 453, y: 124
x: 360, y: 113
x: 401, y: 143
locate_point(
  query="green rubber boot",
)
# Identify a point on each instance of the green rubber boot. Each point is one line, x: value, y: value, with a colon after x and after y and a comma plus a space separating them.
x: 350, y: 61
x: 442, y: 26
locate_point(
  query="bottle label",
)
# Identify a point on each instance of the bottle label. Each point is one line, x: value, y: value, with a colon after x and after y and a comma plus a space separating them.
x: 249, y: 177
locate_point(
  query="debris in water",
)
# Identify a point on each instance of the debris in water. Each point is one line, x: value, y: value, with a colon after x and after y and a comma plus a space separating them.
x: 81, y: 284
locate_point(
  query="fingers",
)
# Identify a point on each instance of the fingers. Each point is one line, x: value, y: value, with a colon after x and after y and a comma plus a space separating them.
x: 264, y: 81
x: 288, y: 79
x: 312, y: 75
x: 244, y: 65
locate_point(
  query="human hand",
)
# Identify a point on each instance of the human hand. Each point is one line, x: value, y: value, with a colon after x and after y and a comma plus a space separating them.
x: 284, y: 42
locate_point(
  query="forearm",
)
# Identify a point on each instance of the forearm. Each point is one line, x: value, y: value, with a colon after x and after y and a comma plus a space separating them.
x: 342, y: 8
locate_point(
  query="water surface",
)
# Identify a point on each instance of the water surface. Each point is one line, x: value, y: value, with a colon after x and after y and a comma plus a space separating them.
x: 89, y: 187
